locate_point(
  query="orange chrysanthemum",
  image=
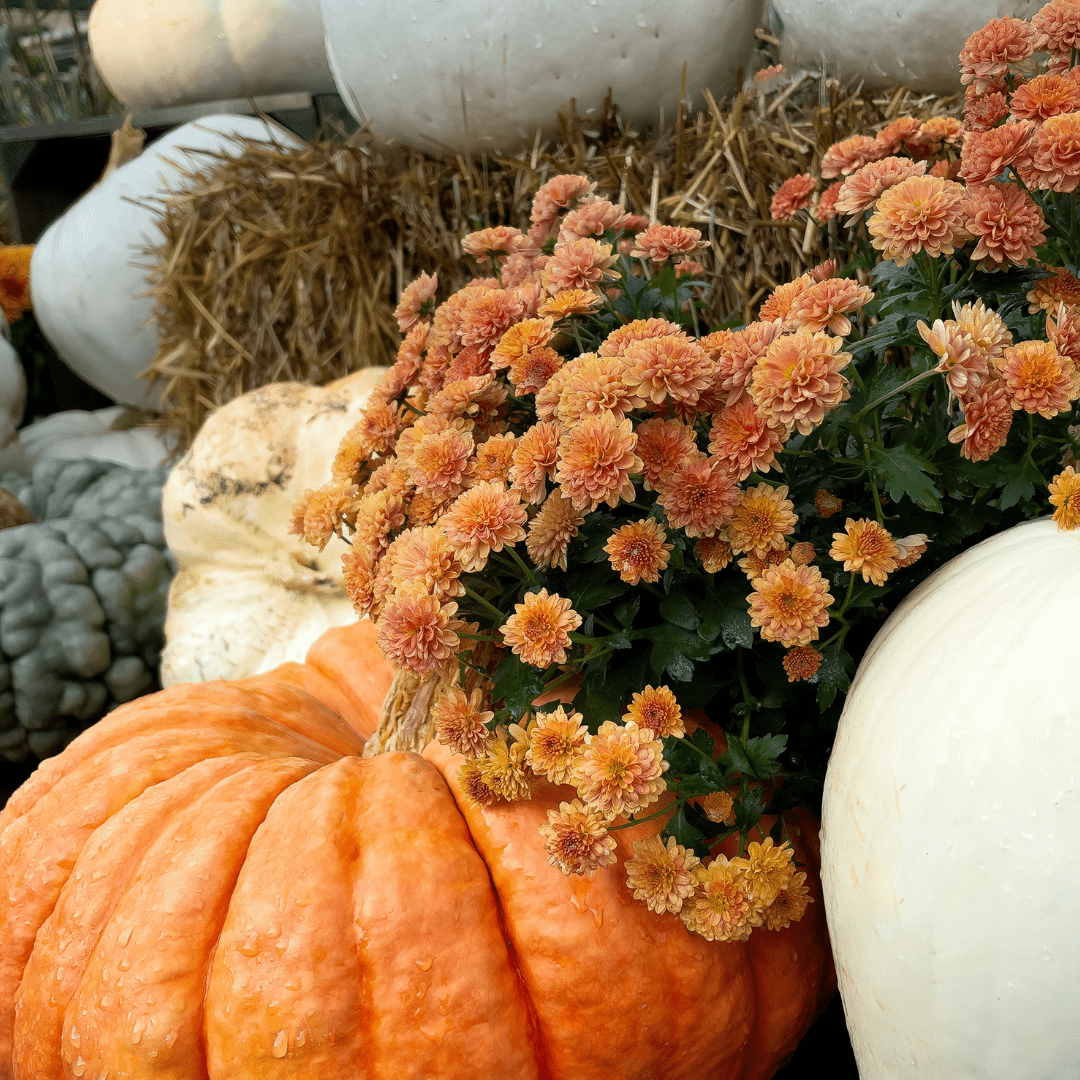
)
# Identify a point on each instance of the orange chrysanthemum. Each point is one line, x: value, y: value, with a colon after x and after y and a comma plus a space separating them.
x: 539, y: 629
x: 415, y: 302
x: 1064, y: 333
x: 721, y: 908
x: 1065, y: 496
x: 1055, y: 161
x: 825, y: 305
x: 1045, y: 96
x: 503, y: 766
x: 866, y: 547
x: 900, y: 132
x: 551, y: 531
x: 714, y: 553
x: 744, y: 439
x: 802, y: 554
x: 698, y: 495
x: 569, y: 302
x: 579, y: 264
x: 990, y: 50
x: 984, y: 111
x: 718, y: 806
x: 592, y: 217
x: 789, y: 602
x: 986, y: 154
x: 660, y: 242
x: 1059, y: 288
x: 825, y: 209
x: 662, y: 445
x: 520, y: 340
x: 960, y: 358
x: 921, y: 213
x: 762, y: 517
x: 638, y: 551
x: 440, y: 461
x: 487, y: 314
x: 1038, y: 378
x: 861, y: 189
x: 497, y: 243
x: 799, y: 379
x: 661, y: 874
x: 1007, y: 222
x: 461, y: 722
x: 621, y: 769
x: 910, y: 549
x: 558, y: 193
x: 778, y: 303
x: 424, y: 562
x: 576, y: 839
x: 531, y: 372
x: 789, y: 905
x: 494, y: 458
x: 655, y: 708
x: 768, y: 869
x: 988, y: 416
x: 1059, y: 23
x: 473, y: 785
x: 620, y: 339
x: 536, y: 454
x: 985, y: 327
x: 844, y: 157
x: 596, y: 385
x: 555, y: 740
x: 481, y: 520
x: 673, y: 367
x: 741, y: 350
x: 418, y: 632
x: 791, y: 196
x: 596, y: 459
x: 826, y: 503
x: 801, y: 663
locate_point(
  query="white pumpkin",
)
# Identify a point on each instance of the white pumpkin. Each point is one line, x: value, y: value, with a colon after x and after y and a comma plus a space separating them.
x: 94, y: 434
x: 12, y: 403
x: 477, y: 75
x: 248, y: 596
x: 950, y: 861
x: 171, y: 52
x: 914, y: 42
x: 85, y: 283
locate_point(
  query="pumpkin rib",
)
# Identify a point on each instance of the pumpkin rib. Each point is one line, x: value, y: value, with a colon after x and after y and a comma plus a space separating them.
x: 102, y: 873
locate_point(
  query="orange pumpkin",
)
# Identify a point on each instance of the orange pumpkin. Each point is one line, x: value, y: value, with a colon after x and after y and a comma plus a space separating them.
x: 211, y: 883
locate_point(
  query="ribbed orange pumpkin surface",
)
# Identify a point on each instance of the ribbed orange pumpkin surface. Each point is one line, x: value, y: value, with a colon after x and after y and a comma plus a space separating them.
x: 210, y: 883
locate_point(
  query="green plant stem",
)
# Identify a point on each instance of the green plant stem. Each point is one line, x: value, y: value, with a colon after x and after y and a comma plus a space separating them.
x: 873, y: 485
x: 847, y: 597
x: 892, y: 393
x: 485, y: 604
x: 530, y: 576
x: 638, y: 821
x: 748, y: 699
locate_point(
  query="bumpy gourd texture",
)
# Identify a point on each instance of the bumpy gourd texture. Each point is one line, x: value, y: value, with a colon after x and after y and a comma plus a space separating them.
x: 210, y: 883
x: 83, y: 594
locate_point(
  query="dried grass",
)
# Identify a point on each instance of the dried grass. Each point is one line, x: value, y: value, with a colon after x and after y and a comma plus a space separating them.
x: 287, y: 265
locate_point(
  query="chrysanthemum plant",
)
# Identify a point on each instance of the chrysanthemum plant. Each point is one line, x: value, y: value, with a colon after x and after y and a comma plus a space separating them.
x: 603, y: 532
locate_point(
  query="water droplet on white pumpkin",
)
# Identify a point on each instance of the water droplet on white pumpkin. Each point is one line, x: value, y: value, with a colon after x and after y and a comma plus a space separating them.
x: 539, y: 43
x: 281, y: 1045
x: 641, y: 20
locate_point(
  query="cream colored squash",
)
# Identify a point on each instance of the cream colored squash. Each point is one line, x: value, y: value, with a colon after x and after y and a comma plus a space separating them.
x: 476, y: 75
x: 153, y: 53
x: 100, y: 434
x: 248, y: 596
x: 85, y: 279
x: 950, y: 862
x: 914, y: 42
x: 12, y: 402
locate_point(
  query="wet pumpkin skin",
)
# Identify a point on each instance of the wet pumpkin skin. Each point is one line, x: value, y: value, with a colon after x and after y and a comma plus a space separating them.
x: 213, y: 884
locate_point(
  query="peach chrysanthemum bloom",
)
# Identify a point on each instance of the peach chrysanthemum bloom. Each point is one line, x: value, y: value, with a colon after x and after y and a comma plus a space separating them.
x: 592, y: 217
x: 481, y: 520
x: 1007, y: 222
x: 661, y: 875
x: 659, y: 243
x: 475, y: 398
x: 403, y: 372
x: 986, y: 154
x: 799, y: 379
x: 620, y: 770
x: 473, y: 786
x: 415, y: 302
x: 824, y: 210
x: 861, y: 189
x: 579, y: 264
x: 718, y: 806
x: 1065, y: 496
x: 494, y: 457
x: 826, y: 503
x: 801, y: 663
x: 617, y: 342
x: 662, y: 445
x: 939, y: 129
x: 337, y: 503
x: 762, y: 517
x: 423, y: 561
x: 551, y: 531
x: 1059, y: 23
x: 536, y: 455
x: 791, y: 196
x: 779, y: 301
x: 539, y: 629
x: 988, y: 416
x: 655, y: 708
x: 802, y: 554
x: 740, y: 352
x: 1038, y: 378
x: 766, y: 75
x: 984, y: 111
x: 418, y: 632
x: 576, y: 839
x: 520, y: 339
x: 768, y: 869
x: 844, y: 157
x: 789, y: 905
x: 867, y: 547
x: 555, y: 740
x: 921, y: 213
x: 698, y: 495
x: 596, y: 458
x: 690, y: 268
x: 358, y: 580
x: 990, y: 50
x: 960, y: 358
x: 1045, y: 96
x: 497, y: 243
x: 461, y: 722
x: 486, y: 315
x: 910, y: 549
x: 823, y: 271
x: 531, y: 372
x: 557, y: 194
x: 503, y: 766
x: 744, y: 439
x: 638, y: 551
x: 721, y: 908
x: 1055, y: 161
x: 1059, y: 288
x: 985, y: 327
x: 661, y: 367
x: 597, y: 385
x: 376, y: 431
x: 899, y: 132
x: 714, y: 553
x: 825, y: 304
x: 1064, y: 333
x: 569, y: 302
x: 789, y: 602
x: 753, y: 566
x: 440, y: 461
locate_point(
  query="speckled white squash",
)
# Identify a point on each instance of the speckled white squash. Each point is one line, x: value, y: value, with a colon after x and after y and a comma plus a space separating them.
x: 86, y: 280
x: 153, y: 53
x: 477, y: 75
x: 247, y: 595
x: 914, y: 42
x: 950, y: 862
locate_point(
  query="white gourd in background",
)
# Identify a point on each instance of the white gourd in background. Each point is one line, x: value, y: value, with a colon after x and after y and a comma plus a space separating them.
x: 914, y: 42
x: 78, y: 434
x: 950, y: 862
x: 414, y: 67
x: 85, y: 283
x: 12, y: 403
x: 153, y: 53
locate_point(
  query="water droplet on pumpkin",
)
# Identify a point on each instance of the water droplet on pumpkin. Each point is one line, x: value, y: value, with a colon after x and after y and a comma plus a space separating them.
x: 79, y: 1067
x: 125, y: 937
x: 425, y: 965
x: 295, y: 983
x: 301, y: 1038
x: 73, y: 1036
x: 250, y: 947
x: 273, y: 930
x: 137, y: 1032
x: 641, y: 20
x: 281, y: 1045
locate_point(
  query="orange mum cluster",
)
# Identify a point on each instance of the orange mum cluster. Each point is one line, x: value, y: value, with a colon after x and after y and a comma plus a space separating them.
x: 15, y: 280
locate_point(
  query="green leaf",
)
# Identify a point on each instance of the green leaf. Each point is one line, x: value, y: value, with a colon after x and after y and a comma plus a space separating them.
x: 901, y: 473
x: 517, y: 685
x: 592, y: 589
x: 679, y: 609
x: 831, y: 677
x: 687, y: 833
x: 1015, y: 491
x: 749, y: 809
x: 725, y: 613
x: 762, y: 753
x: 600, y: 698
x: 627, y: 611
x: 680, y: 668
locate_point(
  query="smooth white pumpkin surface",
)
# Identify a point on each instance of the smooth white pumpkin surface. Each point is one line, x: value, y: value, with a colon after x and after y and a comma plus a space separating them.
x: 950, y: 861
x: 479, y: 75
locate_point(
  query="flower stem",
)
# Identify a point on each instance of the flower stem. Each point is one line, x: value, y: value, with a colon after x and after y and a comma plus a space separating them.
x: 638, y: 821
x: 892, y: 393
x: 485, y: 604
x: 523, y: 566
x: 873, y: 485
